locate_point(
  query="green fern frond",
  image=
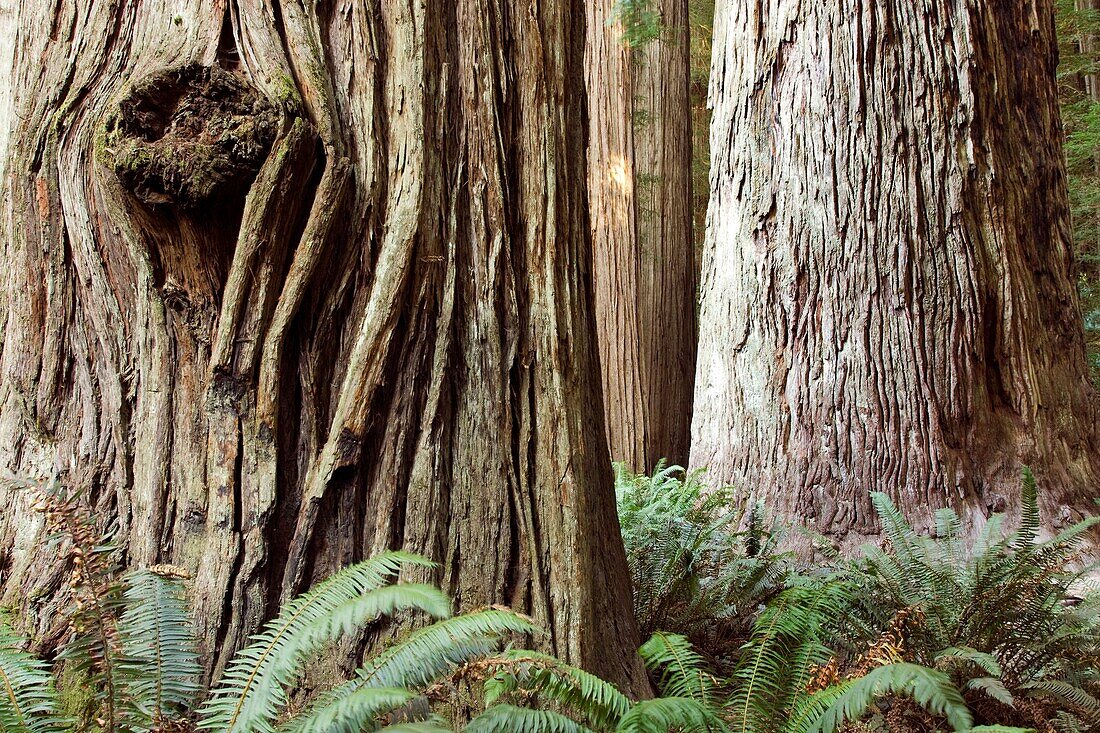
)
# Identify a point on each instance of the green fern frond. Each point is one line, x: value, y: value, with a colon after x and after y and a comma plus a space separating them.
x: 678, y: 666
x: 252, y: 690
x: 352, y: 713
x: 966, y: 655
x: 671, y: 713
x: 1029, y: 510
x: 949, y: 533
x: 426, y: 653
x: 903, y: 540
x: 28, y: 699
x: 514, y: 719
x: 991, y: 534
x: 917, y: 568
x: 1062, y: 547
x: 1066, y: 694
x: 994, y: 688
x: 927, y: 687
x: 787, y: 642
x: 1066, y: 722
x: 386, y: 601
x: 600, y: 703
x: 808, y: 710
x: 159, y: 670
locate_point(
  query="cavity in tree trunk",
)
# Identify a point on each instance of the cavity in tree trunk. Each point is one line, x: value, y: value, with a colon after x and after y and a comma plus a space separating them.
x: 290, y: 284
x: 888, y: 296
x: 639, y: 160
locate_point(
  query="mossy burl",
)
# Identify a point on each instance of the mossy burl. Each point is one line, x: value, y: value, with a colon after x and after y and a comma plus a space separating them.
x: 189, y: 135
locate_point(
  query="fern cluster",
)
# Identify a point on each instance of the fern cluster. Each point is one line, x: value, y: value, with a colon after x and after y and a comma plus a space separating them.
x: 143, y: 673
x: 132, y: 645
x: 701, y: 564
x: 921, y: 633
x: 525, y: 692
x: 530, y: 692
x: 947, y: 632
x: 156, y: 672
x: 112, y: 662
x: 998, y: 617
x: 28, y: 698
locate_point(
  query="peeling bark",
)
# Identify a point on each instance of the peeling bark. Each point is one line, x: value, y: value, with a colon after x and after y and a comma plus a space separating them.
x: 290, y: 284
x: 888, y: 297
x: 639, y: 179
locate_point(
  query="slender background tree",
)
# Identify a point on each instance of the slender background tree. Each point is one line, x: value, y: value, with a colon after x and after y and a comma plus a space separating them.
x: 639, y: 158
x: 888, y: 292
x: 290, y: 283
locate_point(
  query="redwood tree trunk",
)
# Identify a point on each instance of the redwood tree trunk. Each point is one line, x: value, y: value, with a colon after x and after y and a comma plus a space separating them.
x: 639, y: 160
x: 288, y: 284
x: 888, y: 295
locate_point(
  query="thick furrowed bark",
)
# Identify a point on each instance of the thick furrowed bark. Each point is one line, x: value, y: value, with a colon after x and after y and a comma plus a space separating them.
x: 364, y: 322
x: 888, y: 291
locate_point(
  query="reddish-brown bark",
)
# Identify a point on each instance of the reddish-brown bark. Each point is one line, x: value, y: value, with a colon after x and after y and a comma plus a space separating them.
x: 355, y: 315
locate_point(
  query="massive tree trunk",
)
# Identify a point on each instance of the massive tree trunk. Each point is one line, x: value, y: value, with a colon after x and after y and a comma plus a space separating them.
x: 888, y: 295
x: 639, y: 161
x: 288, y: 284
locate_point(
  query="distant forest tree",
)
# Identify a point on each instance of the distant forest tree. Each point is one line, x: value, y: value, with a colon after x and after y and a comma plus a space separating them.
x: 1079, y: 92
x: 638, y: 77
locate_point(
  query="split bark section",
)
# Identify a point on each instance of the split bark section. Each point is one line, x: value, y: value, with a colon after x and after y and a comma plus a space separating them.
x: 373, y: 330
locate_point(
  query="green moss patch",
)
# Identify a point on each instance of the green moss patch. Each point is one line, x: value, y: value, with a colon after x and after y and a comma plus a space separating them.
x: 189, y: 135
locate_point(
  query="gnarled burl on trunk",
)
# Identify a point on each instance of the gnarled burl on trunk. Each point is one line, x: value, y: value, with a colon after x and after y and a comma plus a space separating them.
x: 288, y: 284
